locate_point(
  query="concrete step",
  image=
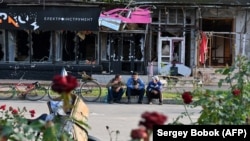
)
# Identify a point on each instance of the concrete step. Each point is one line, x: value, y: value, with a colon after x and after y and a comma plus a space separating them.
x: 134, y: 100
x: 210, y: 79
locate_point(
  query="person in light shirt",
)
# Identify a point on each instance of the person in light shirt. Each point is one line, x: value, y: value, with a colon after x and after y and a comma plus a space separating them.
x: 154, y: 90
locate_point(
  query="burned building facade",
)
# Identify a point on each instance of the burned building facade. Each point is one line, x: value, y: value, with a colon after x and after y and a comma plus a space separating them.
x: 41, y: 37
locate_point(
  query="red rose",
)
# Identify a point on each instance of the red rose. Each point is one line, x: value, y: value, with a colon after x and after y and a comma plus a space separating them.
x: 3, y: 107
x: 139, y: 133
x: 64, y: 84
x: 32, y: 115
x: 32, y: 111
x: 14, y: 111
x: 187, y: 97
x: 152, y: 118
x: 236, y: 92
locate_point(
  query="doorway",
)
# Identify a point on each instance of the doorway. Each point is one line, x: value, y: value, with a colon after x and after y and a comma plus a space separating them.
x: 220, y: 41
x: 170, y: 49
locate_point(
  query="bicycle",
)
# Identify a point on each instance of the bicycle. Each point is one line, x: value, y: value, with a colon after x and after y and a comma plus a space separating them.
x: 89, y: 89
x: 30, y: 91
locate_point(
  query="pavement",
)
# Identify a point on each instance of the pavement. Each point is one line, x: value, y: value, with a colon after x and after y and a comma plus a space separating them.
x: 118, y: 117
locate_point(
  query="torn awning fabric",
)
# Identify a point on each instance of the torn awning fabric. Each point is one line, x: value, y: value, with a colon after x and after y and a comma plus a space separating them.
x: 203, y: 47
x: 115, y: 18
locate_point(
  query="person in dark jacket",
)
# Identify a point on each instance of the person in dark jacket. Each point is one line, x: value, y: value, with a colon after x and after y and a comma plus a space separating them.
x: 135, y: 86
x: 154, y: 90
x: 115, y: 89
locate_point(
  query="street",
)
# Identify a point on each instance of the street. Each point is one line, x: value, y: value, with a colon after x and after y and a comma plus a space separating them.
x: 122, y: 117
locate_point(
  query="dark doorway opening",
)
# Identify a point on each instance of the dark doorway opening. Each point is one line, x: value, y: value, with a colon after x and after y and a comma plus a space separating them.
x: 220, y: 41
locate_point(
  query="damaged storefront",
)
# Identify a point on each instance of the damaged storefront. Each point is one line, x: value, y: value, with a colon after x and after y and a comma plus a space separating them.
x: 223, y: 35
x: 123, y: 37
x: 197, y: 35
x: 42, y: 40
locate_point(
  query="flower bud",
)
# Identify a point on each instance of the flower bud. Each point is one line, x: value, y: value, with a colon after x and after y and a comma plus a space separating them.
x: 236, y: 92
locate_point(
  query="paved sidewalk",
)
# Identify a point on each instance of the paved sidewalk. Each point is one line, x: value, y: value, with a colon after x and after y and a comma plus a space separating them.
x: 122, y: 117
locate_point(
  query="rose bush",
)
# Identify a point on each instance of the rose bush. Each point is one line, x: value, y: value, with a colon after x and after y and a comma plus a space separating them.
x: 149, y: 119
x: 223, y: 107
x: 15, y: 126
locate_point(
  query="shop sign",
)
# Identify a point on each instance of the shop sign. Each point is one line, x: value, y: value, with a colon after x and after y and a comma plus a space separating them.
x: 50, y: 18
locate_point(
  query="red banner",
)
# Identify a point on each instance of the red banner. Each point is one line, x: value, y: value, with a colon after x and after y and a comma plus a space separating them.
x: 203, y: 47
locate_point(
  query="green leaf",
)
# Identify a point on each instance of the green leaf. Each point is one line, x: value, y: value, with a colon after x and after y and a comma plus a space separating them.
x: 226, y: 71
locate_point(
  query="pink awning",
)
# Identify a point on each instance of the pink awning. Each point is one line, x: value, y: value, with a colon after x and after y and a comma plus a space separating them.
x: 128, y: 15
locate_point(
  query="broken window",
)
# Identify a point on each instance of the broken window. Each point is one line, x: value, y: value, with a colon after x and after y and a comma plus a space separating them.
x: 1, y: 46
x: 22, y: 46
x: 40, y: 46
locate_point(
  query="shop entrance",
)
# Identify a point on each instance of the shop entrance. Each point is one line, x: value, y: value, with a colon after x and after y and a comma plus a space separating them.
x: 126, y: 53
x: 171, y: 49
x: 220, y: 41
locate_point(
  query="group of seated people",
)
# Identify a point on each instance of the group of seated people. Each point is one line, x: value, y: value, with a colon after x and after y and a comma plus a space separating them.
x: 134, y: 87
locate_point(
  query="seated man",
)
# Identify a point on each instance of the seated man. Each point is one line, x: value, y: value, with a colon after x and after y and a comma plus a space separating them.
x: 154, y: 89
x: 115, y: 89
x: 135, y: 86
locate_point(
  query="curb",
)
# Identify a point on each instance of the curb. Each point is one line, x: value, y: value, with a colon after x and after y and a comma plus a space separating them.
x: 144, y: 101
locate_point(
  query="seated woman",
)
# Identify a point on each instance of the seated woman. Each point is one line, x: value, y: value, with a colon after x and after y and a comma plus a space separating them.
x: 154, y: 90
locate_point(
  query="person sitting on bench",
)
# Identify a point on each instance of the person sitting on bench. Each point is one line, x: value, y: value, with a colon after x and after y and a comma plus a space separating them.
x: 135, y: 86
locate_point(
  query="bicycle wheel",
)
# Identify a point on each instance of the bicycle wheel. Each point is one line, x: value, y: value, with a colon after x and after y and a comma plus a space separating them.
x: 90, y: 91
x: 52, y: 94
x: 6, y: 92
x: 36, y: 94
